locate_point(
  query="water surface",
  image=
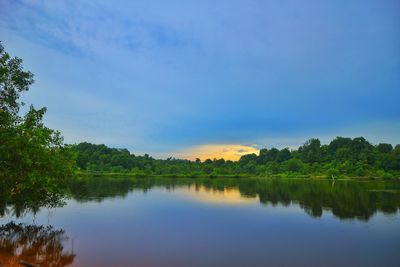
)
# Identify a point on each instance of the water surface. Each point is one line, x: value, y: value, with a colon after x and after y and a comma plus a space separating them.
x: 209, y: 222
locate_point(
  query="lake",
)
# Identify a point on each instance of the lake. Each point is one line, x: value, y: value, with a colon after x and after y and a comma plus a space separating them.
x: 145, y: 222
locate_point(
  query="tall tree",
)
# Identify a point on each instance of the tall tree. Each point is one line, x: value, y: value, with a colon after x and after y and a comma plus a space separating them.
x: 311, y: 151
x: 32, y: 156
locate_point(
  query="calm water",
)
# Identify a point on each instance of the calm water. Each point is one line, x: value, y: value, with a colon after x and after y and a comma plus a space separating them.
x: 214, y: 222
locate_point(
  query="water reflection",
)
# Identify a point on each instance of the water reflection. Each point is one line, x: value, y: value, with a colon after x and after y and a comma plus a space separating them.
x: 125, y: 221
x: 345, y: 199
x: 29, y: 201
x: 32, y: 245
x: 226, y: 196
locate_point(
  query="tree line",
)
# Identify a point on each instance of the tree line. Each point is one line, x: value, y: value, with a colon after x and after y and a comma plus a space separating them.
x: 342, y: 157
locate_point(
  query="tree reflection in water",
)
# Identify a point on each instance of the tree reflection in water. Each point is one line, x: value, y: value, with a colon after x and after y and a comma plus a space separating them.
x: 346, y: 199
x: 34, y: 245
x: 31, y: 245
x: 29, y: 201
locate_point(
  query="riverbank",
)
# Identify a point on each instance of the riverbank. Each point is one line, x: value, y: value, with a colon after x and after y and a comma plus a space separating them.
x: 236, y: 176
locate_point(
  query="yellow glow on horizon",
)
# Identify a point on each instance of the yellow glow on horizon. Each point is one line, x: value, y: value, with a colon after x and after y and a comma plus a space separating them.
x: 229, y: 196
x: 217, y: 151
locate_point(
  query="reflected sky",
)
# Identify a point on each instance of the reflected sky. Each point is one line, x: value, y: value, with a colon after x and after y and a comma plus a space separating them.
x: 228, y: 196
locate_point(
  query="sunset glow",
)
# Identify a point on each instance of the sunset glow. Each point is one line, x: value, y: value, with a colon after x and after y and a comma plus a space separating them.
x: 217, y: 151
x: 228, y: 196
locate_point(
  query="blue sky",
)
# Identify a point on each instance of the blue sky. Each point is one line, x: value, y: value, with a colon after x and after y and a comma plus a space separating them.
x: 165, y: 77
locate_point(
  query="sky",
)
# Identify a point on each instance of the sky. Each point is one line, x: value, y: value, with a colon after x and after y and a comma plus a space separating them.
x: 203, y: 78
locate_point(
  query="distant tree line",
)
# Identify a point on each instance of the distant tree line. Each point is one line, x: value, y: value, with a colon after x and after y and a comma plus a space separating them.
x: 342, y: 157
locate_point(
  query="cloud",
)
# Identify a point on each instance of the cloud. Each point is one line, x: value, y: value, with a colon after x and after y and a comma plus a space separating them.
x: 87, y: 28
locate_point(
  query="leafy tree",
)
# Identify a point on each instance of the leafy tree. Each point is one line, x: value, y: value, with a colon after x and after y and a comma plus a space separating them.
x: 31, y: 155
x: 339, y: 142
x: 396, y: 157
x: 294, y: 165
x: 384, y: 148
x: 283, y: 155
x: 311, y: 151
x: 245, y: 159
x: 268, y: 155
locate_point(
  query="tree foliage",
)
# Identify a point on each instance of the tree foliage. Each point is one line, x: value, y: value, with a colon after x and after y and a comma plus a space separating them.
x: 31, y: 154
x: 341, y: 157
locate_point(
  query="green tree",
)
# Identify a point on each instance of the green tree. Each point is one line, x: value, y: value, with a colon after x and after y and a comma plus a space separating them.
x: 283, y: 155
x: 32, y: 156
x: 396, y: 157
x: 267, y: 155
x: 384, y: 148
x: 249, y: 158
x: 310, y: 152
x: 294, y: 165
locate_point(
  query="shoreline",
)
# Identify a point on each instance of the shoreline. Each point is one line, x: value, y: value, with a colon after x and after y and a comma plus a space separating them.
x: 239, y: 176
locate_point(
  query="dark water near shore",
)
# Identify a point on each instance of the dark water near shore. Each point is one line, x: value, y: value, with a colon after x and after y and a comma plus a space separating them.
x: 208, y: 222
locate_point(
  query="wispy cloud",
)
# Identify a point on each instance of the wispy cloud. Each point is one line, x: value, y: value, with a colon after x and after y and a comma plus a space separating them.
x: 86, y: 27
